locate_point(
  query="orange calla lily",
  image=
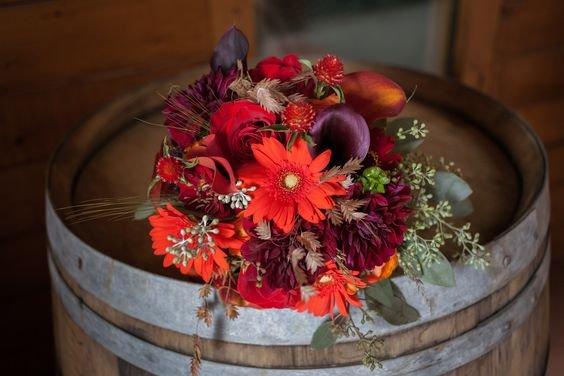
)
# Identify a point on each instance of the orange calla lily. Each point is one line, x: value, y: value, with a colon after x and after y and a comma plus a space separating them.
x: 373, y: 95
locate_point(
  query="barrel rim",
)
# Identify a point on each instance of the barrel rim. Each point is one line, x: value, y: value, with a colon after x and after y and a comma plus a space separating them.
x: 110, y: 108
x: 519, y: 119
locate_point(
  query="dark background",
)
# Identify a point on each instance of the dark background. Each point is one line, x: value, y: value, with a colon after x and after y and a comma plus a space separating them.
x: 60, y: 60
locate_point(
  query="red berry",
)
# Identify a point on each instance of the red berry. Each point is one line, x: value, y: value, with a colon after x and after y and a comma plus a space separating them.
x: 298, y: 116
x: 169, y: 169
x: 329, y: 70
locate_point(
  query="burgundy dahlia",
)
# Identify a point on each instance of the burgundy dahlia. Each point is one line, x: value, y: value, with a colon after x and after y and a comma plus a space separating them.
x: 187, y: 112
x: 371, y: 241
x: 272, y: 256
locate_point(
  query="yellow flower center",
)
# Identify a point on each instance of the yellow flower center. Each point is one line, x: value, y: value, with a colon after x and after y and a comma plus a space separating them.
x: 325, y: 279
x: 290, y: 181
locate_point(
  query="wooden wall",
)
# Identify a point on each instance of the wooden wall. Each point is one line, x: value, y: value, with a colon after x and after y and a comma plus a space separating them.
x: 514, y: 50
x: 59, y: 61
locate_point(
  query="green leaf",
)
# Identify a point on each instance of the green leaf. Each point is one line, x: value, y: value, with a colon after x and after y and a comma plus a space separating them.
x: 340, y: 94
x: 323, y: 336
x: 462, y: 208
x: 408, y: 144
x: 455, y: 190
x: 381, y: 292
x: 308, y: 139
x: 306, y: 63
x: 398, y: 312
x: 275, y: 128
x: 439, y: 273
x: 144, y: 210
x: 292, y: 140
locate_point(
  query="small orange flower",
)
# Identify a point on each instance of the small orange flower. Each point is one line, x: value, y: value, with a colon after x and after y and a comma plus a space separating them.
x: 383, y: 271
x: 289, y: 184
x: 192, y: 246
x: 333, y: 288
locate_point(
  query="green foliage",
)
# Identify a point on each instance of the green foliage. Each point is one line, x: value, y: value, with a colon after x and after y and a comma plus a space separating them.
x: 323, y: 336
x: 438, y: 272
x: 374, y: 179
x: 430, y: 228
x: 409, y: 134
x: 452, y: 188
x: 144, y: 210
x: 386, y: 299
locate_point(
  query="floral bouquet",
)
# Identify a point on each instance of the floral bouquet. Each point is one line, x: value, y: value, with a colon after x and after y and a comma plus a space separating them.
x: 293, y: 185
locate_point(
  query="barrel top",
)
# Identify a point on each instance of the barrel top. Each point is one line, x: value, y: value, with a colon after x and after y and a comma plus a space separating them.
x: 111, y: 155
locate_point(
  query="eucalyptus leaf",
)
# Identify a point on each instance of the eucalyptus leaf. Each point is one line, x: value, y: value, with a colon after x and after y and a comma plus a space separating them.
x: 462, y: 208
x: 144, y: 210
x: 439, y: 273
x: 398, y: 312
x: 323, y: 337
x: 450, y: 187
x: 381, y: 292
x: 409, y: 143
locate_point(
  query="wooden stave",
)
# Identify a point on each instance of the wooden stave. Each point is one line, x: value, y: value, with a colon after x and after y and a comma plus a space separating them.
x: 539, y: 202
x: 274, y: 356
x: 471, y: 347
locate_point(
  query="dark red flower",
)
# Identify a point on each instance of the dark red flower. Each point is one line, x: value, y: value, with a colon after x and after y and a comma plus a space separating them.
x: 272, y: 255
x: 371, y: 241
x: 197, y: 194
x: 258, y: 292
x: 298, y: 116
x: 275, y: 68
x: 382, y: 146
x: 169, y: 169
x: 329, y: 70
x: 234, y: 128
x: 187, y: 110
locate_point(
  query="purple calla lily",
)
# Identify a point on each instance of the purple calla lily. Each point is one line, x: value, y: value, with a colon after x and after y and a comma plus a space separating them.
x: 343, y: 131
x: 232, y: 46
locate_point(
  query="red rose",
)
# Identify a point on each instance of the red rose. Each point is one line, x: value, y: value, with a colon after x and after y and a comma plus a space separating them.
x: 275, y: 68
x: 383, y: 146
x: 264, y: 296
x: 234, y: 128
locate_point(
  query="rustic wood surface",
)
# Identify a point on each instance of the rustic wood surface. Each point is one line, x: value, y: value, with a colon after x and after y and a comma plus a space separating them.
x: 496, y: 166
x: 490, y: 346
x: 60, y: 61
x: 513, y: 50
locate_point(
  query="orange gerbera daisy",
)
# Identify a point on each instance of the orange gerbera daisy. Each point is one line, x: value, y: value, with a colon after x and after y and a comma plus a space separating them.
x: 289, y: 183
x: 192, y: 246
x: 333, y: 288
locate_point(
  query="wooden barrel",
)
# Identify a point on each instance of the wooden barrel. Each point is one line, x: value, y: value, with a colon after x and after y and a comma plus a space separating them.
x: 117, y: 311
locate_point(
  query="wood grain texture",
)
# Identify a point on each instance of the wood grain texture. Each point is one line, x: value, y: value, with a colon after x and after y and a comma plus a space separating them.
x: 60, y: 61
x: 514, y: 51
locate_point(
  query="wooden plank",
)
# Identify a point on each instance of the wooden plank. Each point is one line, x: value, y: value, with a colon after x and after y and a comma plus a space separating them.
x: 84, y: 61
x: 530, y: 77
x: 557, y: 220
x: 78, y: 41
x: 530, y: 25
x: 475, y: 38
x: 546, y: 117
